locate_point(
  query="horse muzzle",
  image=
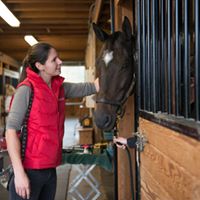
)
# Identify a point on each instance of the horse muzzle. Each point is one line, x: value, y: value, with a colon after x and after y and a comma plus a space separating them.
x: 104, y: 121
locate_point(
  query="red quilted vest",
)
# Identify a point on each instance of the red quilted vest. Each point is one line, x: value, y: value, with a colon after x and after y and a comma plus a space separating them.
x: 45, y: 124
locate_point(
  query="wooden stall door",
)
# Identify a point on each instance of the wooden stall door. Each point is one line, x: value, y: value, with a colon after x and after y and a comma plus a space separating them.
x: 170, y: 164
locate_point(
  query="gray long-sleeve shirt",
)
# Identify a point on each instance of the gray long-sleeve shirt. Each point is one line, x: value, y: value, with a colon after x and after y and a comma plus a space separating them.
x: 23, y: 93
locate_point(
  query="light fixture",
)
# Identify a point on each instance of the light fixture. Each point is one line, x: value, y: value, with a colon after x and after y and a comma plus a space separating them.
x: 8, y: 16
x: 30, y: 40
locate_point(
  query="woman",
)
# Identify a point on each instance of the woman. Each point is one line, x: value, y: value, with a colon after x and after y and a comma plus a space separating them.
x: 35, y: 177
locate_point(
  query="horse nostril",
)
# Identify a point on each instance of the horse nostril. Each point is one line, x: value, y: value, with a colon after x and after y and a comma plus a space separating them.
x: 104, y: 121
x: 101, y: 119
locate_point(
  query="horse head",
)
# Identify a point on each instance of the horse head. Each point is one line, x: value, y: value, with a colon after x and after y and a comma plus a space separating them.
x: 116, y: 74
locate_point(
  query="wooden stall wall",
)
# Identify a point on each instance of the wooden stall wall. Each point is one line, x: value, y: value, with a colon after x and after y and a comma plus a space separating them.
x: 169, y: 164
x: 75, y: 108
x: 90, y: 62
x: 126, y: 126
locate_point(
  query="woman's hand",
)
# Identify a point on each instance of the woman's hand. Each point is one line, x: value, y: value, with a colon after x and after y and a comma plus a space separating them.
x: 22, y: 185
x: 21, y: 180
x: 121, y: 142
x: 96, y: 83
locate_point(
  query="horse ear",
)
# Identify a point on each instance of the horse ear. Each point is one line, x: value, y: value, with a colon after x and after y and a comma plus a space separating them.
x: 101, y: 35
x: 126, y: 27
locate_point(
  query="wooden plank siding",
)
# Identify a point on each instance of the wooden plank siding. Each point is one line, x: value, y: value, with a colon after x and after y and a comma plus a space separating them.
x: 169, y: 164
x: 126, y: 130
x: 153, y: 190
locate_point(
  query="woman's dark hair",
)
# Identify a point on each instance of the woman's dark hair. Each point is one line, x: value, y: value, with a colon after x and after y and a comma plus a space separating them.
x: 36, y: 53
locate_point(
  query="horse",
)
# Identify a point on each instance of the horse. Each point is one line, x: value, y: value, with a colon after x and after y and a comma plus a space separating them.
x: 116, y: 74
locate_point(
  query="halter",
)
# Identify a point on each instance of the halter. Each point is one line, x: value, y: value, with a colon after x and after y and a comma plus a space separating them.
x: 110, y: 102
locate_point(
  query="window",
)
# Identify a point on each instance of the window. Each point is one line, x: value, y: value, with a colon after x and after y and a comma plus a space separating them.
x: 74, y: 74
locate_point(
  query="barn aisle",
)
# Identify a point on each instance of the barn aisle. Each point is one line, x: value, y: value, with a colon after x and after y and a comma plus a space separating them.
x: 104, y: 178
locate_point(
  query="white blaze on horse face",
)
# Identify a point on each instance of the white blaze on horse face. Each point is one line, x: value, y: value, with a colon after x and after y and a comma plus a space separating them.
x: 107, y: 56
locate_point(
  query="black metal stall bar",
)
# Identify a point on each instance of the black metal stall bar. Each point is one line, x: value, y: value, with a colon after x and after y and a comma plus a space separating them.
x: 153, y: 78
x: 145, y: 100
x: 140, y: 85
x: 169, y: 66
x: 178, y: 61
x: 155, y: 70
x: 186, y: 62
x: 197, y: 61
x: 162, y: 64
x: 148, y: 55
x: 157, y: 56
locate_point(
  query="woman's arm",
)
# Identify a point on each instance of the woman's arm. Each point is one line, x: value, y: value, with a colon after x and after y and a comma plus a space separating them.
x: 13, y: 124
x: 74, y: 90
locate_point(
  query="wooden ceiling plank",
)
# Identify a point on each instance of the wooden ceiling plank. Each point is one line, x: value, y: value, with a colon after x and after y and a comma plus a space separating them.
x: 54, y: 21
x: 48, y: 1
x: 64, y: 55
x: 40, y: 14
x: 54, y: 14
x: 49, y: 7
x: 51, y: 33
x: 73, y: 43
x: 38, y: 26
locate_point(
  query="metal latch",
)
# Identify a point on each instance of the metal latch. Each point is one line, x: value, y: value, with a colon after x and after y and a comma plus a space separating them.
x: 141, y: 141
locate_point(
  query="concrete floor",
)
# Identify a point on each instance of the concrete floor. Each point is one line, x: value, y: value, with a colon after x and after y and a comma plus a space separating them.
x: 66, y: 172
x: 104, y: 177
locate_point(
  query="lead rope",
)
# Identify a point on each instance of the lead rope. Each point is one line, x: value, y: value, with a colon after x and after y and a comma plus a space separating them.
x: 129, y: 158
x: 115, y: 161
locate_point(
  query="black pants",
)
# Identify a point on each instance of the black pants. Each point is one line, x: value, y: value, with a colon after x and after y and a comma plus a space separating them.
x: 43, y: 185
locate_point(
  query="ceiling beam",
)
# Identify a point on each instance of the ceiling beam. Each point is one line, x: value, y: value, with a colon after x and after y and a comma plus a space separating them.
x: 49, y: 1
x: 53, y: 14
x: 62, y: 43
x: 40, y: 26
x: 64, y: 55
x: 54, y: 21
x: 47, y: 31
x: 49, y: 7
